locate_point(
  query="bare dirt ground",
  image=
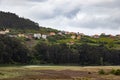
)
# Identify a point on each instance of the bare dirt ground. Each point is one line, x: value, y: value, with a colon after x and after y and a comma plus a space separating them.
x: 63, y: 73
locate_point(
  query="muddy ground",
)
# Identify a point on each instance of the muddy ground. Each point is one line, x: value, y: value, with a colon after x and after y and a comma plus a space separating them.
x: 63, y: 75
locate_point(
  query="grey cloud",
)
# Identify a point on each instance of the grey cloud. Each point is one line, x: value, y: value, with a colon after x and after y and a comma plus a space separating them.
x: 16, y: 3
x: 93, y: 23
x: 53, y: 10
x: 69, y: 14
x: 38, y: 0
x: 72, y: 13
x: 102, y: 25
x: 112, y: 4
x: 111, y: 22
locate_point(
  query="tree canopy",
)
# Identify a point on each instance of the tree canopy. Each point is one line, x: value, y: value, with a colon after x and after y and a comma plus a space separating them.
x: 11, y: 20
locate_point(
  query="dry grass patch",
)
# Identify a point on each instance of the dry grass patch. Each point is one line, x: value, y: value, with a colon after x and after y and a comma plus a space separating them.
x: 78, y: 72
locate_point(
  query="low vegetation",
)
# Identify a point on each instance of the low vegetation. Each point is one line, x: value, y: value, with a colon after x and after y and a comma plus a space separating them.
x: 56, y: 72
x: 113, y: 71
x: 101, y: 71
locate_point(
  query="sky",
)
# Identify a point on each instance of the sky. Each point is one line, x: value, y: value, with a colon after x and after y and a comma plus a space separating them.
x: 84, y: 16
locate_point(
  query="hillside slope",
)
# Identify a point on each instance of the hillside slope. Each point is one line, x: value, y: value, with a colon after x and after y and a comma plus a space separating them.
x: 11, y: 20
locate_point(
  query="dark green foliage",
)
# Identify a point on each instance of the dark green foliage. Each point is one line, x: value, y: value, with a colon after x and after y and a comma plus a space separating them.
x: 45, y: 30
x: 42, y: 52
x: 12, y: 51
x: 10, y: 20
x: 112, y: 71
x: 101, y: 72
x: 55, y: 38
x: 115, y: 72
x: 1, y: 74
x: 76, y: 54
x: 56, y: 53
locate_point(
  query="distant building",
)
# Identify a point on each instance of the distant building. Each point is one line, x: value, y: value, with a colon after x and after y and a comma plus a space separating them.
x: 21, y: 35
x: 111, y: 36
x: 29, y: 36
x: 44, y: 36
x: 67, y: 32
x: 12, y: 35
x: 96, y: 36
x: 118, y: 35
x: 82, y: 34
x: 73, y: 37
x: 60, y: 33
x: 78, y: 37
x: 7, y: 31
x: 103, y: 34
x: 73, y: 33
x: 52, y: 33
x: 4, y: 31
x: 37, y: 35
x: 63, y: 32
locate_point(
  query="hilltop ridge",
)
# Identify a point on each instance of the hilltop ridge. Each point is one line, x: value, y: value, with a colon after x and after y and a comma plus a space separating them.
x: 11, y: 20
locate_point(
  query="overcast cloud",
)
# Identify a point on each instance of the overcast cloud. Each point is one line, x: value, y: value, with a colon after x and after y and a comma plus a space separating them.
x: 87, y: 16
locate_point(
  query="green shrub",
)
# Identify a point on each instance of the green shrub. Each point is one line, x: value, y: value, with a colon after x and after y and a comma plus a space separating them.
x: 112, y: 71
x: 1, y: 73
x: 101, y: 71
x: 117, y: 72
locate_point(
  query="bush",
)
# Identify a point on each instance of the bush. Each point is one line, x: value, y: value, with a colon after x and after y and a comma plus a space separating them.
x: 117, y: 72
x: 112, y: 71
x: 101, y: 71
x: 1, y: 73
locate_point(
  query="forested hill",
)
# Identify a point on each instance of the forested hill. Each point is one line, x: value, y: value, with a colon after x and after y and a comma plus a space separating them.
x: 11, y: 20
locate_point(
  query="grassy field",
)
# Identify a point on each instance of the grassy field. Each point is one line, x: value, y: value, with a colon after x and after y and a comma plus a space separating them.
x: 32, y: 72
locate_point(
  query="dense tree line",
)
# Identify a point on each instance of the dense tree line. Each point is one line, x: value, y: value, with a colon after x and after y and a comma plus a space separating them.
x: 11, y: 20
x: 12, y: 51
x: 77, y: 54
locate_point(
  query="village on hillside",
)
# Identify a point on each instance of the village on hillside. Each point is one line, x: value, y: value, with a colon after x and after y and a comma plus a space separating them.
x: 43, y: 36
x: 69, y: 38
x: 61, y: 33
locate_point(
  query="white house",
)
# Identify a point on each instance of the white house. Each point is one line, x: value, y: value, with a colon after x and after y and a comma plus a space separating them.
x: 44, y: 36
x: 12, y: 35
x: 5, y: 31
x: 2, y: 32
x: 37, y: 35
x: 60, y: 33
x: 73, y: 36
